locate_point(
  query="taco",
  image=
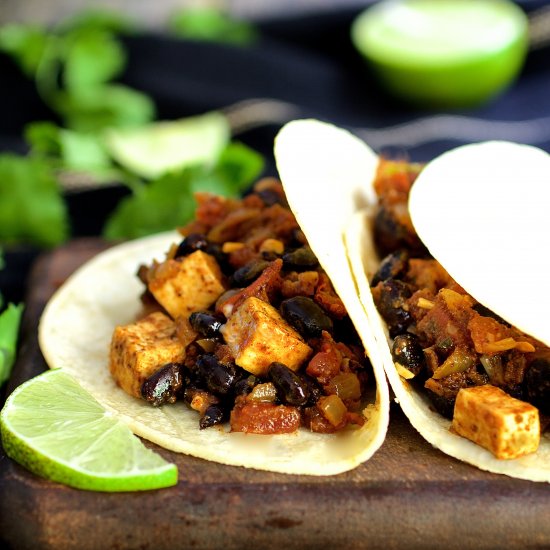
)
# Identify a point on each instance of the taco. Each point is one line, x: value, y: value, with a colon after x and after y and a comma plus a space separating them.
x: 239, y: 338
x: 449, y: 264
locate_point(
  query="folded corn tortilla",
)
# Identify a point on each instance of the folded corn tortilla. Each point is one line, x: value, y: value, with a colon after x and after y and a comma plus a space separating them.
x: 77, y: 324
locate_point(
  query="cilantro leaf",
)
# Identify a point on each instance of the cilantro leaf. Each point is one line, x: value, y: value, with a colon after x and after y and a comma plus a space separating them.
x: 240, y: 166
x: 168, y: 202
x: 31, y: 206
x: 158, y: 206
x: 10, y: 320
x: 98, y: 107
x: 25, y: 44
x: 71, y: 151
x: 92, y: 57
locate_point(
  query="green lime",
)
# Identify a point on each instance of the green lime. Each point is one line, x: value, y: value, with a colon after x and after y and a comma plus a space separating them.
x: 443, y: 53
x: 154, y: 149
x: 56, y: 429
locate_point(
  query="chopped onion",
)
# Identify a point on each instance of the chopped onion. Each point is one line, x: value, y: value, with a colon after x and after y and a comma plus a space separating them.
x: 263, y: 393
x: 332, y: 408
x: 345, y: 385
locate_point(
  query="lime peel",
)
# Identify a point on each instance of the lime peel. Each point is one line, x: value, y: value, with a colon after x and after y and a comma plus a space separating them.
x: 90, y: 449
x: 160, y: 147
x: 443, y: 53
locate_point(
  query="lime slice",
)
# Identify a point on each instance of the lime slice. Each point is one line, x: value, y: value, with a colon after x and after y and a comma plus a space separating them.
x: 443, y: 53
x: 154, y: 149
x: 53, y: 427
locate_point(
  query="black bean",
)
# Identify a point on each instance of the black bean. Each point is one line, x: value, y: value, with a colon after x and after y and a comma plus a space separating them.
x: 290, y: 388
x: 314, y: 389
x: 163, y: 386
x: 218, y: 377
x: 214, y: 414
x: 393, y: 266
x: 388, y: 232
x: 537, y: 384
x: 248, y: 273
x: 207, y: 323
x: 306, y: 316
x: 390, y: 297
x: 445, y: 406
x: 221, y: 257
x: 244, y: 385
x: 407, y: 351
x: 192, y: 243
x: 391, y: 232
x: 300, y: 259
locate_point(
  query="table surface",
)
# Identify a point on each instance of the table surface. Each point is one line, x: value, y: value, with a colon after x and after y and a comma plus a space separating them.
x: 409, y: 495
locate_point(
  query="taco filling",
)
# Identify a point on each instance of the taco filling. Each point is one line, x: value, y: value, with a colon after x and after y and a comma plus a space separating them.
x: 490, y: 378
x: 242, y: 324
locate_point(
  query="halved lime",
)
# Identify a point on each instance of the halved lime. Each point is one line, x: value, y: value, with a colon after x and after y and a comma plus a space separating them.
x: 154, y: 149
x: 443, y: 53
x: 53, y: 427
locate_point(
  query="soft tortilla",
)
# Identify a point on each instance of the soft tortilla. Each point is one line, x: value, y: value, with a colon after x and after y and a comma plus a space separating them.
x: 482, y: 211
x: 77, y: 324
x: 416, y: 406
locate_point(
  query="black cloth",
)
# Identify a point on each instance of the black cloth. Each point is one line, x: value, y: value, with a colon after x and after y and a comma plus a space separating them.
x: 306, y: 63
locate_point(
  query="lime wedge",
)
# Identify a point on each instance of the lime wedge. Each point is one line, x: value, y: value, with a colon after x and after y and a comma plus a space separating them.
x: 56, y: 429
x: 443, y: 53
x: 154, y: 149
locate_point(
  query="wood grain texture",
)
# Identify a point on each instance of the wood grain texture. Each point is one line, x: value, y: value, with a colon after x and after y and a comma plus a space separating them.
x: 409, y: 495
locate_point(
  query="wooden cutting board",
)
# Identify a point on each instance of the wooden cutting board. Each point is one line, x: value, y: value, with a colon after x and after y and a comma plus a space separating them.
x: 408, y: 495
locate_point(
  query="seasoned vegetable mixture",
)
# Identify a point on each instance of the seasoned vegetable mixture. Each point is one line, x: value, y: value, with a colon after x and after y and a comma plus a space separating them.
x: 242, y: 324
x: 443, y: 340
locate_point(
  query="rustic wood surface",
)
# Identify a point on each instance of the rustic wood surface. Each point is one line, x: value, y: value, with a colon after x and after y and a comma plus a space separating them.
x: 408, y: 495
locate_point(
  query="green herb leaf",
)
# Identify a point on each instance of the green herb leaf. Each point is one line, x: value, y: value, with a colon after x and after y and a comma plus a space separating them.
x: 92, y: 57
x: 168, y: 202
x: 96, y: 108
x: 240, y: 166
x: 158, y: 206
x: 31, y: 206
x: 67, y: 149
x: 211, y: 25
x: 25, y: 44
x: 10, y: 320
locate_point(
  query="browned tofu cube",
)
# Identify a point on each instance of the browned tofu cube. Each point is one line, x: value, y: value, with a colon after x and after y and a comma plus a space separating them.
x: 488, y: 416
x: 257, y: 336
x: 140, y: 349
x: 189, y: 284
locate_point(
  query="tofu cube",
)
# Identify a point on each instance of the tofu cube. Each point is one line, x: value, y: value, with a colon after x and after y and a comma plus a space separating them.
x: 139, y: 349
x: 189, y: 284
x: 488, y: 416
x: 257, y: 336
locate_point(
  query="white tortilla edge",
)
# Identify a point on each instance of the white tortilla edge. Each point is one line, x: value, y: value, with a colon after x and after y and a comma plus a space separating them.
x: 499, y: 190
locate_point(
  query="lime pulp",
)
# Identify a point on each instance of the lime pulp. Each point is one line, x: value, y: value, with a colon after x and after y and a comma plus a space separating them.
x: 152, y: 150
x: 56, y: 429
x: 443, y: 52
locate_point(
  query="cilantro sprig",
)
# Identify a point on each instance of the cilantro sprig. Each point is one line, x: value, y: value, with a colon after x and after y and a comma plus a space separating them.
x: 76, y: 68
